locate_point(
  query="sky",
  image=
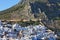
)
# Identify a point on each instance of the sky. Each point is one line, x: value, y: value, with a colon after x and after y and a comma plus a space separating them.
x: 5, y: 4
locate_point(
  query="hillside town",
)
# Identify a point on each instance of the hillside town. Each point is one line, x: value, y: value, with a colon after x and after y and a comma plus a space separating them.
x: 30, y: 20
x: 31, y: 32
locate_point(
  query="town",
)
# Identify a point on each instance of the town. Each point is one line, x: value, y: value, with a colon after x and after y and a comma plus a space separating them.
x: 31, y: 32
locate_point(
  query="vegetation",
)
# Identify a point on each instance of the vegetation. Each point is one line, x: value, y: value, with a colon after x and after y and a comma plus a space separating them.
x: 27, y: 23
x: 57, y: 18
x: 5, y: 16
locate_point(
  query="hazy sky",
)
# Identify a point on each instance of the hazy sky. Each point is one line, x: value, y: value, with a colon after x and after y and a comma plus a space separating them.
x: 5, y: 4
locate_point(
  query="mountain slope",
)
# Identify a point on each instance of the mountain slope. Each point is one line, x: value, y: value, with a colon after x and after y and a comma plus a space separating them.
x: 21, y: 10
x: 29, y: 9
